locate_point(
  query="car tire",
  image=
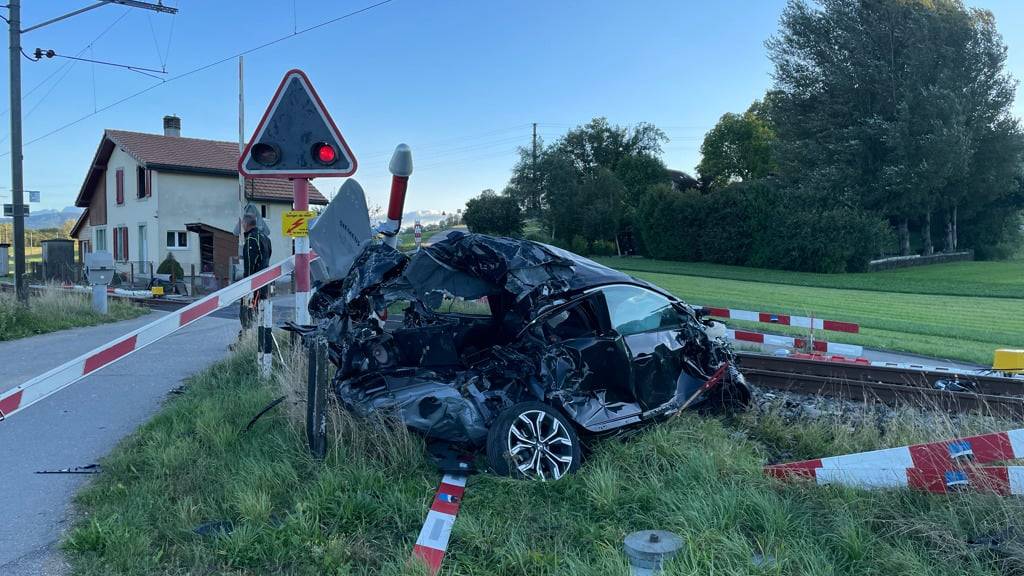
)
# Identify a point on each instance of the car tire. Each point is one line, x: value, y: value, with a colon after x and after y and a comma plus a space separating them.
x: 514, y: 448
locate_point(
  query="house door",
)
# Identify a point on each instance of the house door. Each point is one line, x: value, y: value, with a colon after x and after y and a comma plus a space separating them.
x: 143, y: 251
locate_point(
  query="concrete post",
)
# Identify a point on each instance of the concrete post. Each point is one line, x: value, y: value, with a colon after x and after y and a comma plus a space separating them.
x: 99, y: 298
x: 5, y: 268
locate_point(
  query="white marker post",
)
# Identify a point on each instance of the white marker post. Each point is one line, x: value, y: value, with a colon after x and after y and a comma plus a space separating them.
x: 265, y: 337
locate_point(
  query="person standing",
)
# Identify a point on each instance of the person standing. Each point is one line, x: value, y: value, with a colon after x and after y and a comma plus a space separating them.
x: 255, y: 257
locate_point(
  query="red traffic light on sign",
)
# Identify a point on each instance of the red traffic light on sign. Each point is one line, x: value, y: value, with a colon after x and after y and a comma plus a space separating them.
x: 324, y: 153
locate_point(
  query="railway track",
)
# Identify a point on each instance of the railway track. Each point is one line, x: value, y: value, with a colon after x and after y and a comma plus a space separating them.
x: 964, y: 392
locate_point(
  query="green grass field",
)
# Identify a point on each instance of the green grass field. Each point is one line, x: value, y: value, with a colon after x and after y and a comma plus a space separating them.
x: 359, y: 511
x: 1003, y: 279
x: 56, y: 309
x: 931, y: 322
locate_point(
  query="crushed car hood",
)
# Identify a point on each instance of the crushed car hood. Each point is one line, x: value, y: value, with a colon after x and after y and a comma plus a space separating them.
x: 465, y: 265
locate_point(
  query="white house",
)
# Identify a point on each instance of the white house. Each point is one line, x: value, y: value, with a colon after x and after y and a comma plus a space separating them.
x: 147, y: 195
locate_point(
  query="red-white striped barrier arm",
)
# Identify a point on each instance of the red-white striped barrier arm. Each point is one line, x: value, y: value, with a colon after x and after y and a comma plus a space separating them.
x: 829, y: 358
x: 784, y: 319
x: 38, y: 388
x: 790, y: 342
x: 1001, y: 480
x: 437, y: 529
x: 943, y: 455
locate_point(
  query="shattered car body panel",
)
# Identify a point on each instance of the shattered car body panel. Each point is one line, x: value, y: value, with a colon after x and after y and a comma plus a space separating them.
x: 604, y: 348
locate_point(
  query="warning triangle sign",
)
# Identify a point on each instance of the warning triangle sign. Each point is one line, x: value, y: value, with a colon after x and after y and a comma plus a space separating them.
x: 296, y: 138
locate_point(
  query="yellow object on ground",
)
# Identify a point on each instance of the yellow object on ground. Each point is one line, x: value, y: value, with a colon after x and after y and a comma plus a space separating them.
x: 157, y: 290
x: 1008, y: 360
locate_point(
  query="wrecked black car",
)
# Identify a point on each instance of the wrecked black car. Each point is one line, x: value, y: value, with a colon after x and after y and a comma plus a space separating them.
x: 509, y: 344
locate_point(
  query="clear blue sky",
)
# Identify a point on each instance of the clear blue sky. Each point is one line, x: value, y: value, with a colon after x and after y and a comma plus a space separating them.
x: 460, y: 81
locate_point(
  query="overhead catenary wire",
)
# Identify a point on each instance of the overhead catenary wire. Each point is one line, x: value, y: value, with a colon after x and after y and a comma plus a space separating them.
x: 201, y: 68
x: 80, y: 52
x: 139, y: 69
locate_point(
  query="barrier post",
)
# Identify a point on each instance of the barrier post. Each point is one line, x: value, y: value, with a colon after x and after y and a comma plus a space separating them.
x: 265, y: 337
x: 300, y: 188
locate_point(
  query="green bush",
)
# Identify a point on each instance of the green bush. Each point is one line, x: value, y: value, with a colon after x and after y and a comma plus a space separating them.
x: 603, y: 248
x: 172, y: 267
x: 666, y: 218
x: 538, y: 236
x: 578, y: 245
x: 761, y: 224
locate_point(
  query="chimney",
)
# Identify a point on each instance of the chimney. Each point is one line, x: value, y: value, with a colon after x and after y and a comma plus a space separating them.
x: 172, y: 126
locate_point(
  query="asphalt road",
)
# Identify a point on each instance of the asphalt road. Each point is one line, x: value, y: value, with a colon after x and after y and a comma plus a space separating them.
x: 81, y: 423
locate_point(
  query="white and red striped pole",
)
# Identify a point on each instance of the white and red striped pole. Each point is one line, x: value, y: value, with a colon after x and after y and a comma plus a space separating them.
x: 265, y: 355
x: 400, y: 168
x: 300, y: 189
x: 417, y: 233
x: 432, y: 542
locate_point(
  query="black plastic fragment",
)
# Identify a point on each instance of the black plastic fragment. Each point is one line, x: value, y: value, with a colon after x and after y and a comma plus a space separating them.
x: 265, y: 409
x: 87, y: 469
x: 214, y: 528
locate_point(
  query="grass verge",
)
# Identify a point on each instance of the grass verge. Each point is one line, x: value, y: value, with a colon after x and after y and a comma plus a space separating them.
x: 55, y: 309
x: 359, y: 511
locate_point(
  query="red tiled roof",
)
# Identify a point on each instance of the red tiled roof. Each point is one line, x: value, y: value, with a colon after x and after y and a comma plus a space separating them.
x: 214, y: 156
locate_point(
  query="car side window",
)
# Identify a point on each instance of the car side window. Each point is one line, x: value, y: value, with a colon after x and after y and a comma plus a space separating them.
x: 570, y: 323
x: 634, y: 310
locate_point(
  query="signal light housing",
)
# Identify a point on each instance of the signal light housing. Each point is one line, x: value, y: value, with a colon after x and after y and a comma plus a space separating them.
x: 266, y: 154
x: 324, y: 153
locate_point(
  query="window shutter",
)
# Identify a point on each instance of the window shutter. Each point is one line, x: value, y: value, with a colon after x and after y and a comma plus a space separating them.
x: 124, y: 238
x: 119, y: 177
x: 117, y: 244
x: 149, y: 183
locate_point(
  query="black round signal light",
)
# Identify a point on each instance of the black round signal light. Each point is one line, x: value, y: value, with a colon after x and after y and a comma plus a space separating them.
x: 324, y: 153
x: 266, y: 154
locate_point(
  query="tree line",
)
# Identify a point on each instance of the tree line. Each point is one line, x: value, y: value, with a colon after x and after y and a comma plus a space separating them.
x: 887, y: 131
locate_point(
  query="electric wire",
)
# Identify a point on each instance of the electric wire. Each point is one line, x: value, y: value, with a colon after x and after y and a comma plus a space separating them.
x: 80, y: 52
x: 201, y: 68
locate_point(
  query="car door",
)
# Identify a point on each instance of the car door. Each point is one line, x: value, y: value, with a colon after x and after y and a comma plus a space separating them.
x: 599, y: 354
x: 649, y: 326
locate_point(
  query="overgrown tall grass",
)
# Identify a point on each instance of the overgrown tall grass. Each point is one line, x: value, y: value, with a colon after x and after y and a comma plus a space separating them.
x: 56, y: 309
x: 359, y: 511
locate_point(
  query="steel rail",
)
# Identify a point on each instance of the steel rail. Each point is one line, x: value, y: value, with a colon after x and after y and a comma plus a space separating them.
x: 893, y: 386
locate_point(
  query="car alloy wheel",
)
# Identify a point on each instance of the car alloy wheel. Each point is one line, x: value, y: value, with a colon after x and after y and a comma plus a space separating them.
x: 540, y: 445
x: 532, y: 440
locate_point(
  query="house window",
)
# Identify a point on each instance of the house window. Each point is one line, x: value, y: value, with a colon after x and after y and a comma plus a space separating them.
x: 119, y: 185
x: 121, y: 243
x: 141, y: 189
x: 177, y: 239
x: 263, y: 210
x: 101, y: 239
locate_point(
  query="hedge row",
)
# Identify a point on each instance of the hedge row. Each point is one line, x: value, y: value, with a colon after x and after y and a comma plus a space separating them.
x: 760, y: 224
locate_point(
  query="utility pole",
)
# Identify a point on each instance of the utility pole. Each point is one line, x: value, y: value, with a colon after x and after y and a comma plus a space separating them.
x: 17, y: 177
x: 241, y: 148
x: 17, y: 180
x: 536, y: 189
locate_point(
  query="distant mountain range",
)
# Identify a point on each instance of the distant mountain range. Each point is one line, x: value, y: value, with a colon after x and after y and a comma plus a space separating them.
x: 55, y: 218
x: 48, y: 218
x: 410, y: 218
